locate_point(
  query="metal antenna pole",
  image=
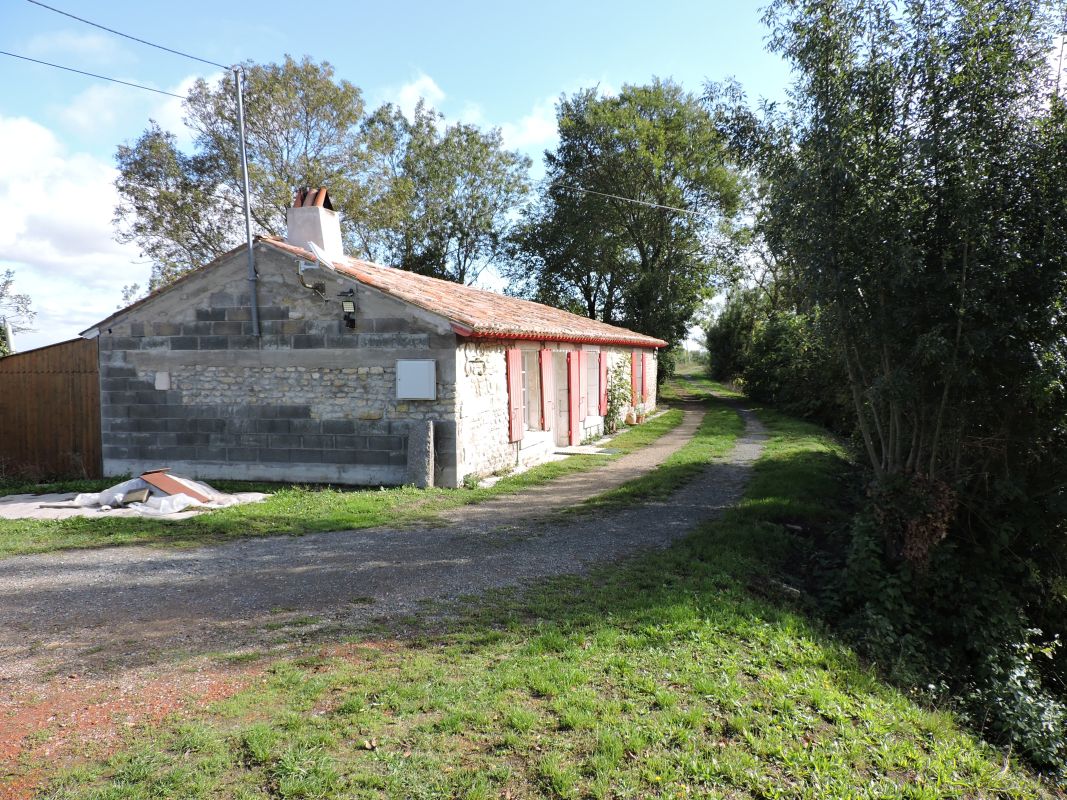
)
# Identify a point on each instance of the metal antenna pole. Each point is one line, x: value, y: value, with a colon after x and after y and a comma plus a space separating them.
x: 252, y: 277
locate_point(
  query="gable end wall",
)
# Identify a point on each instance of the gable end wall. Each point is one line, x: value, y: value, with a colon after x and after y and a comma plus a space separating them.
x: 309, y: 400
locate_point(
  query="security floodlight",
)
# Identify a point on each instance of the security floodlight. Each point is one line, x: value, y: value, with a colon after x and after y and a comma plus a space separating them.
x: 349, y: 309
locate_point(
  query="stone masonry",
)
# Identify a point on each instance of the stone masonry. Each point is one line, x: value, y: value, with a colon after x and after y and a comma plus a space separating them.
x: 185, y: 384
x: 482, y: 406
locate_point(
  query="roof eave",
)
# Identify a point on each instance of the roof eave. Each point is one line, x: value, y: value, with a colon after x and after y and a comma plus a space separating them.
x: 655, y: 344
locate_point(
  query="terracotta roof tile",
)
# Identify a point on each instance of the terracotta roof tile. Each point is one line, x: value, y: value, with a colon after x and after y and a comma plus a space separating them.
x: 477, y: 312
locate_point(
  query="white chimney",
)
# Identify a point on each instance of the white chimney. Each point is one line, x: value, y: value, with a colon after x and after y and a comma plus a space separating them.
x: 312, y: 219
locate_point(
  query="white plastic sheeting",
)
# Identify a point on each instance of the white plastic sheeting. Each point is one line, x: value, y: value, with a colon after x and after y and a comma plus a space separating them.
x: 159, y: 503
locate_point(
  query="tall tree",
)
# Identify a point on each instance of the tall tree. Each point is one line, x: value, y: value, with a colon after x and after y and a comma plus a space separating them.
x: 919, y: 190
x: 15, y: 310
x: 586, y: 244
x: 184, y: 209
x: 442, y: 196
x: 916, y: 185
x: 417, y: 193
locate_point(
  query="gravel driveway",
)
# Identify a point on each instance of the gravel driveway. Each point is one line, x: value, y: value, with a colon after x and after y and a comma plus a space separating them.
x: 121, y: 608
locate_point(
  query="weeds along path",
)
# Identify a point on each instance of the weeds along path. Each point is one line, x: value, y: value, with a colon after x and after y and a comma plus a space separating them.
x: 111, y: 610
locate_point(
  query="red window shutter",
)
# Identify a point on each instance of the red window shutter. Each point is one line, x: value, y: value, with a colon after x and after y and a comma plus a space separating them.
x: 573, y: 375
x: 634, y: 388
x: 583, y: 384
x: 548, y: 391
x: 514, y: 360
x: 603, y: 404
x: 646, y: 368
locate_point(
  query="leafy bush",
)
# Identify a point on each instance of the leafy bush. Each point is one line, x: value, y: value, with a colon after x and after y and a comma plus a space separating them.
x: 954, y: 625
x: 782, y: 358
x: 667, y: 364
x: 619, y: 397
x: 728, y: 337
x: 1009, y: 703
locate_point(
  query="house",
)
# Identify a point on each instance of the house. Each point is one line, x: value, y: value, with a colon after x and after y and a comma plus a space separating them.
x: 359, y: 374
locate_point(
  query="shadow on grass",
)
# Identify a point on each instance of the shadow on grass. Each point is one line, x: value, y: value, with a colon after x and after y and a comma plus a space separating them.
x: 690, y: 671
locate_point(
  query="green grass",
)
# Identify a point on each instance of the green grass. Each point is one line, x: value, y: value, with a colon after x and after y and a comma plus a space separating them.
x: 290, y: 510
x: 714, y: 438
x: 682, y: 673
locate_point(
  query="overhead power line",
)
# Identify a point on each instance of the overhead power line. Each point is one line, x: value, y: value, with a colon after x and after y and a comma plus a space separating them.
x: 128, y: 36
x: 91, y: 74
x: 629, y: 199
x: 224, y: 66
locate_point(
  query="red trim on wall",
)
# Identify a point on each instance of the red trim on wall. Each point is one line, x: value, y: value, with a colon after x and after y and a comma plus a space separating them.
x: 603, y: 403
x: 634, y: 388
x: 540, y: 337
x: 583, y: 384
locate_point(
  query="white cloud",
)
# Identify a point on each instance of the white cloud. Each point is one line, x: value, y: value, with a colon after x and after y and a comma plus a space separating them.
x: 95, y: 47
x: 169, y: 112
x: 422, y: 87
x: 472, y: 114
x: 98, y: 108
x: 535, y: 131
x: 104, y: 110
x: 55, y: 232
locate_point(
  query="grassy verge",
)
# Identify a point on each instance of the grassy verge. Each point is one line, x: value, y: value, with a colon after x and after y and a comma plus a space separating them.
x: 714, y: 438
x: 684, y: 673
x: 293, y: 509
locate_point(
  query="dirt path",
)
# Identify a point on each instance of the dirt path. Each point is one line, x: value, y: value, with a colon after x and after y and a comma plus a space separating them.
x: 114, y: 609
x: 137, y: 613
x: 571, y: 490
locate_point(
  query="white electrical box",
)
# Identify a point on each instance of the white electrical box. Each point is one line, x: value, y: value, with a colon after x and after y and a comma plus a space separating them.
x: 416, y: 379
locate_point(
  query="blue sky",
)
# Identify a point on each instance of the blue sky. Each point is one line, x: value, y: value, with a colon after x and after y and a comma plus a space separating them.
x: 495, y: 64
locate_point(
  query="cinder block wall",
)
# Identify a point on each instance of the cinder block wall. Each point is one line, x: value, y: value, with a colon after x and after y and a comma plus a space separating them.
x: 309, y: 400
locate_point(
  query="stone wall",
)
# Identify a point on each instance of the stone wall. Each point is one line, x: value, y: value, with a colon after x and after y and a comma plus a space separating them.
x: 482, y: 407
x: 185, y: 384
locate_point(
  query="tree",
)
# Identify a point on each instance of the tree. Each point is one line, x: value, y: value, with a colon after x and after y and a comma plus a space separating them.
x: 14, y: 310
x: 920, y: 192
x: 916, y: 187
x: 443, y: 194
x: 185, y: 209
x: 586, y: 245
x: 417, y: 193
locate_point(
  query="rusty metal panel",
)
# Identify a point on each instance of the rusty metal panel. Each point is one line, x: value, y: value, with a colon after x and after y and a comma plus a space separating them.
x: 50, y: 411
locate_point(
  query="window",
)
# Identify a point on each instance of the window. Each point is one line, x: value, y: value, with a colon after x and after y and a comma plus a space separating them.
x: 592, y: 378
x: 531, y: 391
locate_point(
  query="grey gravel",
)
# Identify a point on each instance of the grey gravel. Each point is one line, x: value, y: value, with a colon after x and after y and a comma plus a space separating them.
x: 118, y: 608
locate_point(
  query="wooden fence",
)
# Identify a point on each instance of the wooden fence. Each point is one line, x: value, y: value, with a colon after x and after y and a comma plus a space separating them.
x: 50, y: 411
